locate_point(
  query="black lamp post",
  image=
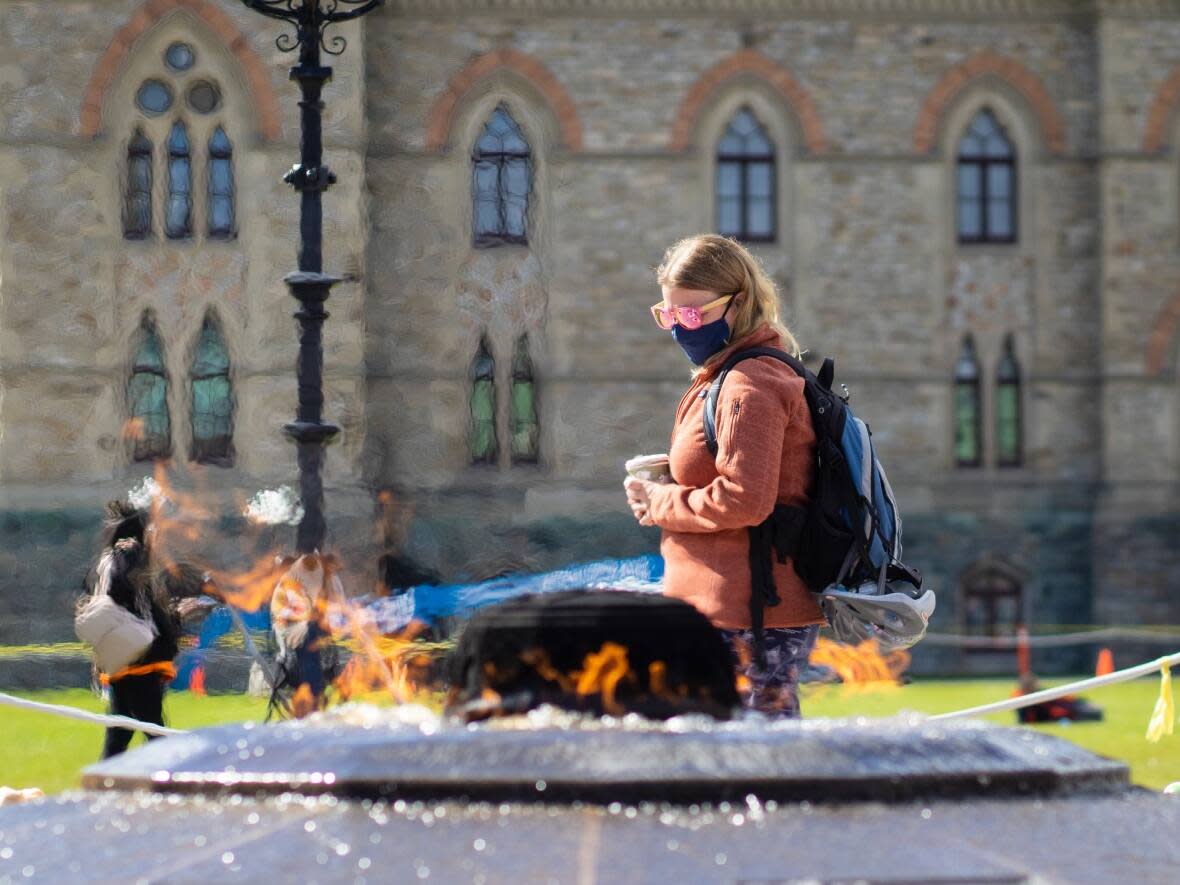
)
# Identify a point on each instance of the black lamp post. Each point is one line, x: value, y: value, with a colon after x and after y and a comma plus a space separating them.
x: 310, y: 285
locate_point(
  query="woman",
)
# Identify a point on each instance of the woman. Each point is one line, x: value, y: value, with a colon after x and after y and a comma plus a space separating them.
x: 124, y: 572
x: 717, y: 300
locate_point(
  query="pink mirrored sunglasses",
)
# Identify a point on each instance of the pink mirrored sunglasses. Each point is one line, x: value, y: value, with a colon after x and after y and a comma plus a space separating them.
x: 688, y: 317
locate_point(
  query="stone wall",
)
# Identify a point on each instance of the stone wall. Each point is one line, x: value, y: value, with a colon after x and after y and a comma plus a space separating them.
x: 621, y: 106
x: 867, y: 263
x: 1136, y: 563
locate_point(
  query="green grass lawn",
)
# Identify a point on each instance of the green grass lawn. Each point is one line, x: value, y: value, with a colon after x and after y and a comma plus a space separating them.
x: 37, y: 750
x: 1120, y: 735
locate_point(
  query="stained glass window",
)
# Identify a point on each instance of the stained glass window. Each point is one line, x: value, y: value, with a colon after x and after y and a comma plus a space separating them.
x: 204, y: 97
x: 154, y: 97
x: 221, y: 186
x: 137, y: 205
x: 180, y: 56
x: 745, y: 182
x: 525, y: 430
x: 501, y: 181
x: 179, y: 209
x: 1009, y: 448
x: 986, y: 183
x: 150, y: 427
x: 212, y: 399
x: 484, y: 445
x: 968, y: 426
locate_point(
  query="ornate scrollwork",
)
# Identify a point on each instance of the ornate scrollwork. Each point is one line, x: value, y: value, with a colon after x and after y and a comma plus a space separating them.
x: 334, y: 45
x: 311, y: 19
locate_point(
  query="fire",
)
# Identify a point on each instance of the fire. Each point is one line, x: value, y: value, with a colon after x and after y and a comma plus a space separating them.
x: 861, y: 665
x: 251, y: 589
x: 387, y: 667
x: 601, y: 674
x: 303, y: 703
x: 397, y: 667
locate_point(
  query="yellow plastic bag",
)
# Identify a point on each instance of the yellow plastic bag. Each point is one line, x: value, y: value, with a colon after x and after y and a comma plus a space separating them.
x: 1163, y: 717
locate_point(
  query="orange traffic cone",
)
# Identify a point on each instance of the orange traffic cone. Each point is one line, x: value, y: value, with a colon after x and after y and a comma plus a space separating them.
x: 1105, y: 663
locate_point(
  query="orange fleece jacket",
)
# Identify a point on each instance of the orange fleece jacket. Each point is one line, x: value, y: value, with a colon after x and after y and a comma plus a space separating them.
x: 766, y: 453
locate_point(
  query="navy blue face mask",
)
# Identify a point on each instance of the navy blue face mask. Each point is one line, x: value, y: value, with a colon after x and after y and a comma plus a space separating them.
x: 700, y: 344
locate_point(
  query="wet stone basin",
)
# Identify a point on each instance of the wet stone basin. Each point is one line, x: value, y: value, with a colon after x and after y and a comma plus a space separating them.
x: 550, y: 798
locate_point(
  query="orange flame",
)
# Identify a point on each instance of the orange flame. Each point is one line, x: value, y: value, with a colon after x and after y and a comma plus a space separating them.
x: 304, y: 702
x: 861, y: 665
x: 601, y: 674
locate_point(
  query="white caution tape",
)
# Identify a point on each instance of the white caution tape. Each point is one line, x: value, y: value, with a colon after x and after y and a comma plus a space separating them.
x: 87, y: 716
x: 1052, y: 694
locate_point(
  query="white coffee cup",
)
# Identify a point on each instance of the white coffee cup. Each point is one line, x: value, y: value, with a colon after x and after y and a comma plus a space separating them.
x: 654, y: 468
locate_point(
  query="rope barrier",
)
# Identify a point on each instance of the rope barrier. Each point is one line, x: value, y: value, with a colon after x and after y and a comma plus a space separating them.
x: 1052, y: 694
x: 87, y: 716
x: 238, y: 645
x: 1053, y: 640
x: 1015, y: 703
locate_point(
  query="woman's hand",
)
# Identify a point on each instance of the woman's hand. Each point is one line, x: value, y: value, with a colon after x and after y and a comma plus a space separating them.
x: 638, y: 496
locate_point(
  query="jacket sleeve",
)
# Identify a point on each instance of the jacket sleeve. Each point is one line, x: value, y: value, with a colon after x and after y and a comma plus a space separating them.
x: 752, y: 418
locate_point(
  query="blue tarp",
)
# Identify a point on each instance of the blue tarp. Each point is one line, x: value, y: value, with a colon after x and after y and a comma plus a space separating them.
x: 431, y: 602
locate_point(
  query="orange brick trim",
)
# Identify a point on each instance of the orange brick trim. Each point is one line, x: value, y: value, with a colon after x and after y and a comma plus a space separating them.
x: 1014, y: 74
x: 748, y: 61
x: 1163, y: 333
x: 442, y: 113
x: 266, y: 103
x: 1160, y: 115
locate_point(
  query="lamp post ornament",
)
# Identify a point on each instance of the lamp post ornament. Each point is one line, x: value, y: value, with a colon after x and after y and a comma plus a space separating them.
x: 309, y: 284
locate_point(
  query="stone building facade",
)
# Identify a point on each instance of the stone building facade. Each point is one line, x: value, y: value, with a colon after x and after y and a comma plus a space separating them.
x: 1046, y: 496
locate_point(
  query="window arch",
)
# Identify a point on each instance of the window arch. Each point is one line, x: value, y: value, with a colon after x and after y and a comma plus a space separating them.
x: 1009, y: 429
x: 483, y: 441
x: 212, y: 399
x: 993, y: 598
x: 967, y: 407
x: 525, y: 429
x: 745, y: 180
x: 180, y: 106
x: 179, y: 208
x: 501, y: 181
x: 986, y: 195
x: 221, y: 186
x: 149, y: 425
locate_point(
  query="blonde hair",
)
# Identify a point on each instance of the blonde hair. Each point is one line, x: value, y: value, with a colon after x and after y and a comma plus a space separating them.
x: 714, y: 263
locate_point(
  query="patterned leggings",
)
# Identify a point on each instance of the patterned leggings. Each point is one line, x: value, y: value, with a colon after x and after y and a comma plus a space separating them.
x: 774, y: 690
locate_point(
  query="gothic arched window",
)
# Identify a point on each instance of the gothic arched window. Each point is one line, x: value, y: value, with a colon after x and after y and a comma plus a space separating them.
x: 181, y: 108
x: 221, y: 186
x: 501, y: 181
x: 212, y: 399
x: 483, y: 442
x: 967, y: 408
x: 137, y: 204
x: 525, y: 430
x: 1009, y: 432
x: 745, y: 185
x: 179, y: 208
x: 986, y: 183
x: 150, y: 427
x: 993, y: 598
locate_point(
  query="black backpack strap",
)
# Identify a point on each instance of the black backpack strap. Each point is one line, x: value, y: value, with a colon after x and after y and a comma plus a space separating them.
x: 710, y: 412
x: 778, y: 533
